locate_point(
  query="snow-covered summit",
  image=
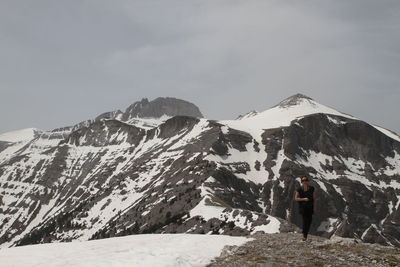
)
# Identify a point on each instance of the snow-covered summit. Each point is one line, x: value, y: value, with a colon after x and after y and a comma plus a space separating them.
x: 288, y: 110
x: 281, y: 115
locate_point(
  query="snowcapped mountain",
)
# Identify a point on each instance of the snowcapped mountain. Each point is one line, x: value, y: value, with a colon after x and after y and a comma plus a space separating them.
x: 283, y: 114
x: 159, y: 167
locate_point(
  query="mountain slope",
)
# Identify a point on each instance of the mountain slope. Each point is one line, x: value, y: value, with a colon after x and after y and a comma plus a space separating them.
x: 109, y: 177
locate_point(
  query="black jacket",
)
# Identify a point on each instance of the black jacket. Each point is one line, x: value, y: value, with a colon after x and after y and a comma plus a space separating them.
x: 306, y: 206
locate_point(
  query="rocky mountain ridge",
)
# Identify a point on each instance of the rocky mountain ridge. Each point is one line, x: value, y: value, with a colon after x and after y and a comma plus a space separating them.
x: 117, y: 175
x: 161, y: 107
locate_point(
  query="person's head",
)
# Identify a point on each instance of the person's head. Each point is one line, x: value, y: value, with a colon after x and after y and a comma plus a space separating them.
x: 304, y: 180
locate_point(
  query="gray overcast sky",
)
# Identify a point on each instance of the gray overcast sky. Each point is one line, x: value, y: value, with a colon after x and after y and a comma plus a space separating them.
x: 62, y: 62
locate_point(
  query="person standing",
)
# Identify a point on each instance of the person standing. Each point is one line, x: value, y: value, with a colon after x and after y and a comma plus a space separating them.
x: 305, y: 196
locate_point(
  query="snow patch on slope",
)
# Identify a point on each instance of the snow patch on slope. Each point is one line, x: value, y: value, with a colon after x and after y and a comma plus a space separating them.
x: 355, y: 168
x: 148, y: 122
x: 19, y: 135
x: 249, y: 156
x: 208, y: 212
x: 209, y: 209
x: 388, y: 133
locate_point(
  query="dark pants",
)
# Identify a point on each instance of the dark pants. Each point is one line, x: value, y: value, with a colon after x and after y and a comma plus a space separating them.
x: 307, y: 218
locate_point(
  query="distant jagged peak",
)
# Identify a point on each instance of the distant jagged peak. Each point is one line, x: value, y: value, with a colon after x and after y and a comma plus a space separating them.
x: 247, y: 115
x: 139, y: 104
x: 143, y: 102
x: 295, y: 100
x: 116, y: 114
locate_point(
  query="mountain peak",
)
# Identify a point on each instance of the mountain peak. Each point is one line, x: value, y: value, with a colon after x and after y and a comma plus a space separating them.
x: 247, y: 115
x: 160, y: 106
x: 295, y: 100
x: 281, y: 115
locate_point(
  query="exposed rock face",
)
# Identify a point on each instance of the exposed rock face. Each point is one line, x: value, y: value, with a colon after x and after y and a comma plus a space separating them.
x: 4, y: 145
x: 106, y: 133
x: 161, y: 106
x: 294, y: 100
x: 148, y: 114
x: 350, y: 164
x: 109, y: 177
x: 247, y: 115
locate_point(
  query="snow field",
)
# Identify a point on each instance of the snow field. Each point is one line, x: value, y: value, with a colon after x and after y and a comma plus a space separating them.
x: 135, y: 250
x: 19, y: 135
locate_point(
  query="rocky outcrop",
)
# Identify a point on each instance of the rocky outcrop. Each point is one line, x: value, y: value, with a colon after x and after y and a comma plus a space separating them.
x: 161, y: 106
x: 287, y: 249
x: 294, y: 100
x: 4, y: 145
x: 105, y: 133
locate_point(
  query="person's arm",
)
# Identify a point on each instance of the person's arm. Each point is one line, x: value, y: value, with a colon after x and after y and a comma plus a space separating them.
x: 298, y: 198
x: 314, y: 200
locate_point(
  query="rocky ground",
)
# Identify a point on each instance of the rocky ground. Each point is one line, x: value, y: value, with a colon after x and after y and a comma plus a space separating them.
x: 287, y: 249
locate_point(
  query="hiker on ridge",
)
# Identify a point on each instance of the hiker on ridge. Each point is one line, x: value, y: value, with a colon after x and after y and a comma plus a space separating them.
x: 305, y: 196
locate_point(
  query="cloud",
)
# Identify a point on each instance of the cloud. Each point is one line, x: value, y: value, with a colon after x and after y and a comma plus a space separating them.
x: 228, y: 57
